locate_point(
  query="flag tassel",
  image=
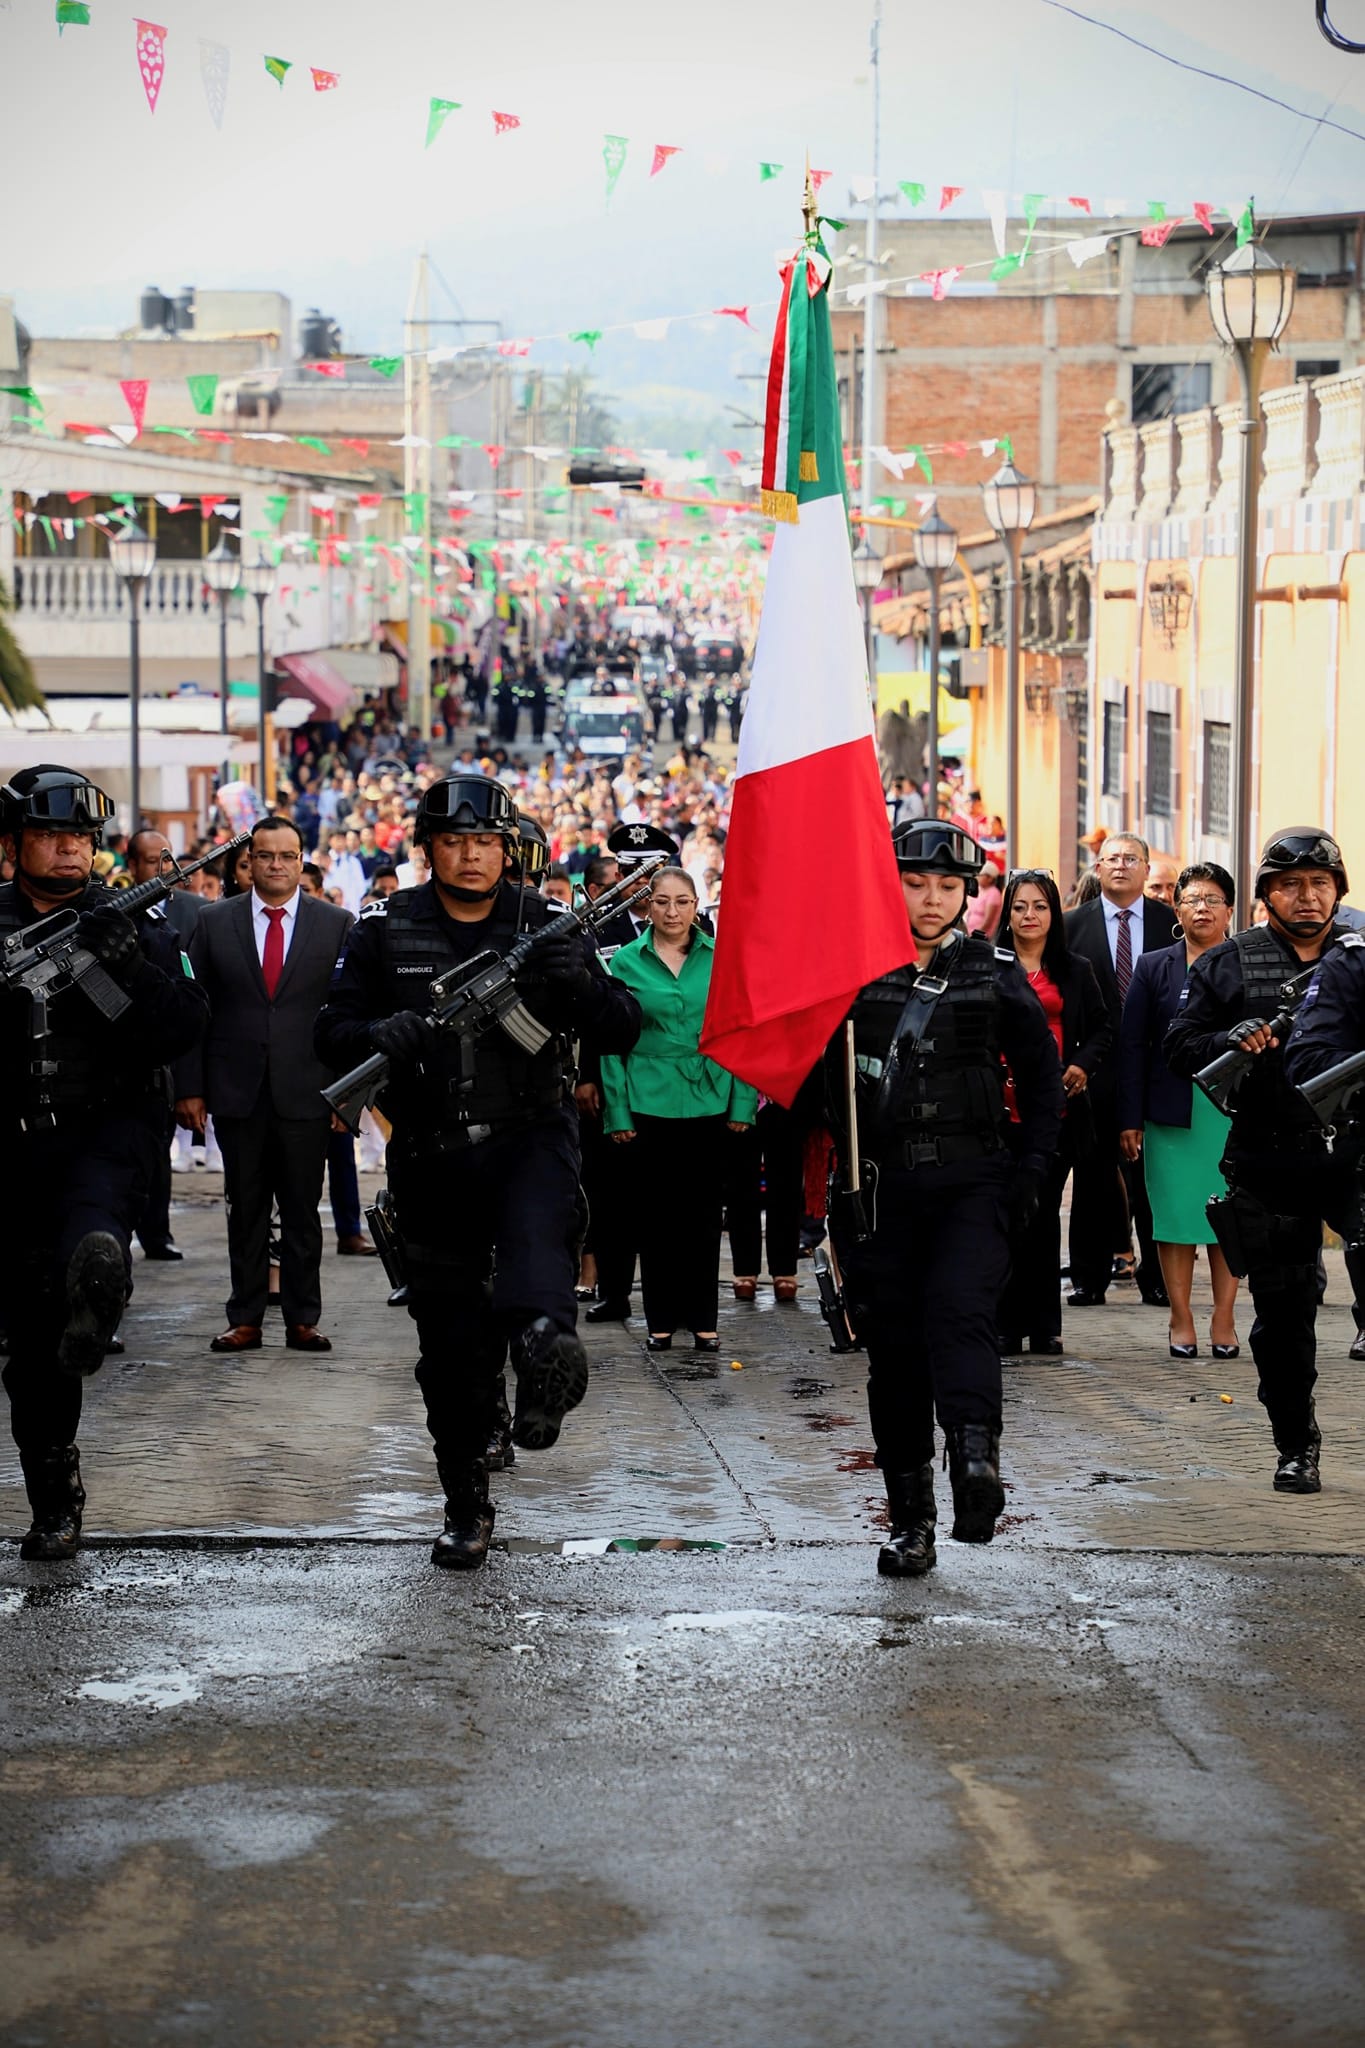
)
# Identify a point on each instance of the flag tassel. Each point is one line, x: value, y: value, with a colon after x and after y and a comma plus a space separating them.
x: 779, y: 505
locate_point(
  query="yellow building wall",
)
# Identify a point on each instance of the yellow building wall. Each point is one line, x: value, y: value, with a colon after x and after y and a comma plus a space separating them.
x: 1348, y: 777
x: 1039, y: 837
x: 1296, y: 698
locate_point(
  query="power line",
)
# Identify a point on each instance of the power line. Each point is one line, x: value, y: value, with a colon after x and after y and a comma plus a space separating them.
x: 1200, y: 71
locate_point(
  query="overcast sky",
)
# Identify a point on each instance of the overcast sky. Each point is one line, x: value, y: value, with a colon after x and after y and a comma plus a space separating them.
x: 327, y: 195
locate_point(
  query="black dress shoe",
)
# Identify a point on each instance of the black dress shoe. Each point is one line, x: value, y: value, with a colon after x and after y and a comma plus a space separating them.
x: 1357, y: 1350
x: 1009, y: 1345
x: 170, y: 1253
x: 1084, y: 1297
x: 706, y: 1343
x: 608, y: 1312
x: 400, y: 1296
x: 1155, y: 1297
x: 658, y: 1343
x: 1046, y: 1347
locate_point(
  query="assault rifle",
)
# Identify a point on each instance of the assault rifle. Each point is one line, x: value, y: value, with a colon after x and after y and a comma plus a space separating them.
x: 1222, y: 1078
x: 1335, y: 1092
x: 482, y: 994
x: 43, y: 960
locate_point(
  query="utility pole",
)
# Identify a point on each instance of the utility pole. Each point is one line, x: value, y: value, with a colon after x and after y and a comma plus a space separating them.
x: 866, y: 494
x: 417, y: 486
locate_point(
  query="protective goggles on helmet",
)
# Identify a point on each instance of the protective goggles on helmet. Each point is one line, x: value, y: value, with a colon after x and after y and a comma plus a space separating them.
x: 470, y: 803
x: 81, y: 805
x: 922, y: 842
x: 1302, y: 850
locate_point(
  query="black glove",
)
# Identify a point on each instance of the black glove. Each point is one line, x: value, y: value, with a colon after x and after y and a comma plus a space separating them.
x: 1023, y: 1201
x: 405, y: 1038
x: 112, y: 938
x: 1239, y: 1033
x: 557, y: 956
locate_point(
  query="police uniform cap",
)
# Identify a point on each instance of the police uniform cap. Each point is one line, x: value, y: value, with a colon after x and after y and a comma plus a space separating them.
x: 631, y: 844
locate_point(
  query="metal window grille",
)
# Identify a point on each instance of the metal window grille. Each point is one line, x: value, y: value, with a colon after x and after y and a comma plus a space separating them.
x: 1161, y: 390
x: 1115, y: 747
x: 1218, y: 780
x: 1160, y: 763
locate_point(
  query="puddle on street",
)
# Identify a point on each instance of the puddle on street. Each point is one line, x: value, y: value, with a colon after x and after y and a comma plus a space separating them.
x: 156, y: 1690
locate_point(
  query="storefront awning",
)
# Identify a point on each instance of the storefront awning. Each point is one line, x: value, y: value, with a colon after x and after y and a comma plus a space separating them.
x: 316, y: 676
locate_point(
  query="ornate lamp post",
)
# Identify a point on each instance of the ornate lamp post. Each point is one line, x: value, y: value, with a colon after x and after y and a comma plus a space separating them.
x: 935, y: 551
x: 1251, y: 297
x: 1011, y: 501
x: 867, y: 575
x: 222, y: 573
x: 133, y: 554
x: 258, y: 580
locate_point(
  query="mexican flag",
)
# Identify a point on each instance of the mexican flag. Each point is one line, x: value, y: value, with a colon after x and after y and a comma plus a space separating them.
x: 813, y: 908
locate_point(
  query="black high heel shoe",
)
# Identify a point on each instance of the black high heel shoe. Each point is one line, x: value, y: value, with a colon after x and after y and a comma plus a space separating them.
x: 705, y: 1343
x: 659, y: 1343
x: 1225, y: 1350
x: 1184, y: 1350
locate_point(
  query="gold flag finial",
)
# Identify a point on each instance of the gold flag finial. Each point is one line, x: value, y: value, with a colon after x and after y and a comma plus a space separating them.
x: 809, y: 204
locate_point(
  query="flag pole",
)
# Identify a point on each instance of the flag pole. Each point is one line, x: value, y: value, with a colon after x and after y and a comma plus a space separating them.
x: 855, y: 1162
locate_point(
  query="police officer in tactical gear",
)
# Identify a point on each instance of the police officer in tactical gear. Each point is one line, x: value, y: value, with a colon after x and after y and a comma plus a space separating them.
x: 81, y: 1115
x: 926, y: 1253
x: 1283, y: 1180
x: 483, y: 1163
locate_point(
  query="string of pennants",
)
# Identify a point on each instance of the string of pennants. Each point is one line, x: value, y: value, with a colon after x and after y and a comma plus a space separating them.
x: 215, y: 65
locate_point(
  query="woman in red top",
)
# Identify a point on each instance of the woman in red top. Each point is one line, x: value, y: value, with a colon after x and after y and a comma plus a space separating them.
x: 1031, y: 926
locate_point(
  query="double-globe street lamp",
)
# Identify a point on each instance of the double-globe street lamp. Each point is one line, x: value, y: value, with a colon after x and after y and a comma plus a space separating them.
x: 1251, y: 297
x: 223, y: 575
x: 133, y: 554
x: 1011, y: 501
x: 935, y: 551
x: 258, y: 580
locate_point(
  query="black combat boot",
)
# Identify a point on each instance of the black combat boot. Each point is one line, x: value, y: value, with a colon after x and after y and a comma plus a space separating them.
x: 1299, y: 1449
x: 500, y: 1455
x: 909, y: 1551
x: 552, y: 1377
x: 978, y: 1496
x: 52, y: 1480
x: 96, y: 1290
x: 462, y: 1545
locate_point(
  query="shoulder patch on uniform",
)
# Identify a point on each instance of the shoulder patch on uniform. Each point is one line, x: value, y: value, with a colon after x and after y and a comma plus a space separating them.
x: 1352, y: 938
x: 1005, y: 953
x: 379, y: 908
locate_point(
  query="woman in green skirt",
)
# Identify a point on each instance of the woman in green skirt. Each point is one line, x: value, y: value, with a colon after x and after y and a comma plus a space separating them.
x: 1170, y: 1122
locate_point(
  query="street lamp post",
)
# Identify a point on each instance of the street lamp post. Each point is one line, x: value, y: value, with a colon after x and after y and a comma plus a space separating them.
x: 1011, y: 501
x: 258, y: 580
x: 222, y: 573
x: 133, y: 554
x: 867, y: 575
x: 935, y: 551
x: 1251, y: 297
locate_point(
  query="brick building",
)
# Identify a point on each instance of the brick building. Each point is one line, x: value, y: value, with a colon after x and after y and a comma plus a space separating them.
x: 1054, y: 356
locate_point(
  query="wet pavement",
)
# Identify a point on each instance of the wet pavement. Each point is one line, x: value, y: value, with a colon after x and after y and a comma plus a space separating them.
x: 266, y: 1777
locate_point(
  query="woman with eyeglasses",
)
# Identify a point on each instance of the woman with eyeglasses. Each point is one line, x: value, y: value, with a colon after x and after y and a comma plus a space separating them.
x: 1168, y: 1122
x: 1031, y: 926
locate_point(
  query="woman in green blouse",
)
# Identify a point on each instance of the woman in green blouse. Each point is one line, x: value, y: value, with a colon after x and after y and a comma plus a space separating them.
x: 677, y: 1108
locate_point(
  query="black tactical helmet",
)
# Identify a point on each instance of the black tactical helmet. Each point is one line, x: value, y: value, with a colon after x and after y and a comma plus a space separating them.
x: 932, y: 846
x: 1300, y: 846
x: 465, y: 803
x: 535, y: 847
x: 49, y: 795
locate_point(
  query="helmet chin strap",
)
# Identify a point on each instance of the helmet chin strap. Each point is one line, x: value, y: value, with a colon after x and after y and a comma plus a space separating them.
x: 51, y: 885
x: 458, y: 895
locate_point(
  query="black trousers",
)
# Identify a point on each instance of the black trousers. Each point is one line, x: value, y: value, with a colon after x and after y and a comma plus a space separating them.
x: 269, y: 1158
x: 73, y: 1181
x: 1031, y: 1299
x: 154, y: 1223
x: 680, y: 1241
x: 1301, y: 1189
x: 610, y: 1183
x: 343, y: 1186
x: 492, y: 1236
x: 1101, y: 1185
x: 923, y: 1294
x: 764, y: 1177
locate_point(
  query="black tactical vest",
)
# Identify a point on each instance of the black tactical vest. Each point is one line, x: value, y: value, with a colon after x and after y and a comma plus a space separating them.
x: 495, y: 1082
x: 1268, y: 1110
x: 951, y: 1087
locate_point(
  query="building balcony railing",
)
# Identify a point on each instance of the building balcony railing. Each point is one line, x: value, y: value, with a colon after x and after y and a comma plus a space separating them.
x: 92, y: 592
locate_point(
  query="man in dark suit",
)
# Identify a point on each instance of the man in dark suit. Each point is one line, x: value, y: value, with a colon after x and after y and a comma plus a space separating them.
x: 1112, y: 932
x: 266, y: 960
x: 146, y: 857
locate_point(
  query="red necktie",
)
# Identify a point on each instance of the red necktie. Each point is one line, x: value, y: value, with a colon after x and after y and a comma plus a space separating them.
x: 1123, y: 965
x: 273, y: 964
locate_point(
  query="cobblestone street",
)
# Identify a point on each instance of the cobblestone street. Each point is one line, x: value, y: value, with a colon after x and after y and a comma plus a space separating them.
x: 267, y: 1774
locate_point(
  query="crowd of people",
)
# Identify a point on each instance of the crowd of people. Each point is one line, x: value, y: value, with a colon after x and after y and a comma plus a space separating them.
x: 1069, y: 1043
